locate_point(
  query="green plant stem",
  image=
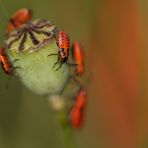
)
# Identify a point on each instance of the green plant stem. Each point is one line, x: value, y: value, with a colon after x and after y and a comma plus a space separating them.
x: 66, y: 132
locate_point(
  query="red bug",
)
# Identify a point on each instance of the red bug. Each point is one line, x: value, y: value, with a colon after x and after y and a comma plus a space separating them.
x: 5, y: 62
x: 76, y: 117
x: 19, y: 18
x: 63, y: 42
x: 78, y: 57
x: 76, y: 114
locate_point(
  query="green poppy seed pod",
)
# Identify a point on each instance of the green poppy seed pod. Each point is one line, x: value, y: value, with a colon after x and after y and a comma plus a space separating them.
x: 28, y: 48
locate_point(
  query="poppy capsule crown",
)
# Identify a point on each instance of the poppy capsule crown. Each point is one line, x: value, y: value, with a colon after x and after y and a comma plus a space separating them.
x: 19, y: 18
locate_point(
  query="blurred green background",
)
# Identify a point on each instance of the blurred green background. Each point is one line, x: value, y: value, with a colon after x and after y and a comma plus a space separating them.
x: 114, y: 34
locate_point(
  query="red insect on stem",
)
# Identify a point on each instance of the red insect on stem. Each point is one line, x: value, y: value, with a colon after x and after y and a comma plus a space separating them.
x: 76, y: 118
x: 19, y: 18
x: 76, y: 114
x: 78, y: 57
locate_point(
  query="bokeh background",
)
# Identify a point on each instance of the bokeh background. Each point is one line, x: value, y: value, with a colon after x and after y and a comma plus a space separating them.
x: 114, y: 34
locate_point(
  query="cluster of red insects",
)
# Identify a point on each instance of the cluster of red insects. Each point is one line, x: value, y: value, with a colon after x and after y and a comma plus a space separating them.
x: 21, y: 17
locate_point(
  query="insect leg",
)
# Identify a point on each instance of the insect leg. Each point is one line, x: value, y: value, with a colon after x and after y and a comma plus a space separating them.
x: 52, y: 54
x: 56, y: 62
x: 59, y: 66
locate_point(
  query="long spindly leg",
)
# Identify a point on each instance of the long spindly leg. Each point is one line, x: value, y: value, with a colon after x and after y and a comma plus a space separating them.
x: 55, y: 54
x: 59, y: 66
x: 56, y: 62
x: 52, y: 54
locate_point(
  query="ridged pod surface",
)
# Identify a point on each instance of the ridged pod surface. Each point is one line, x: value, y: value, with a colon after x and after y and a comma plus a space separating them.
x: 30, y: 45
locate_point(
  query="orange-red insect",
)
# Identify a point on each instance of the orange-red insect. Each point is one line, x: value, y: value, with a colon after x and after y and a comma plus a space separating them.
x: 63, y: 42
x: 5, y: 63
x: 76, y: 113
x: 19, y: 18
x: 76, y: 117
x: 78, y: 57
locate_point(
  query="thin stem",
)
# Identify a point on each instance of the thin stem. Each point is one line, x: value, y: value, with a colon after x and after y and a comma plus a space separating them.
x: 66, y: 132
